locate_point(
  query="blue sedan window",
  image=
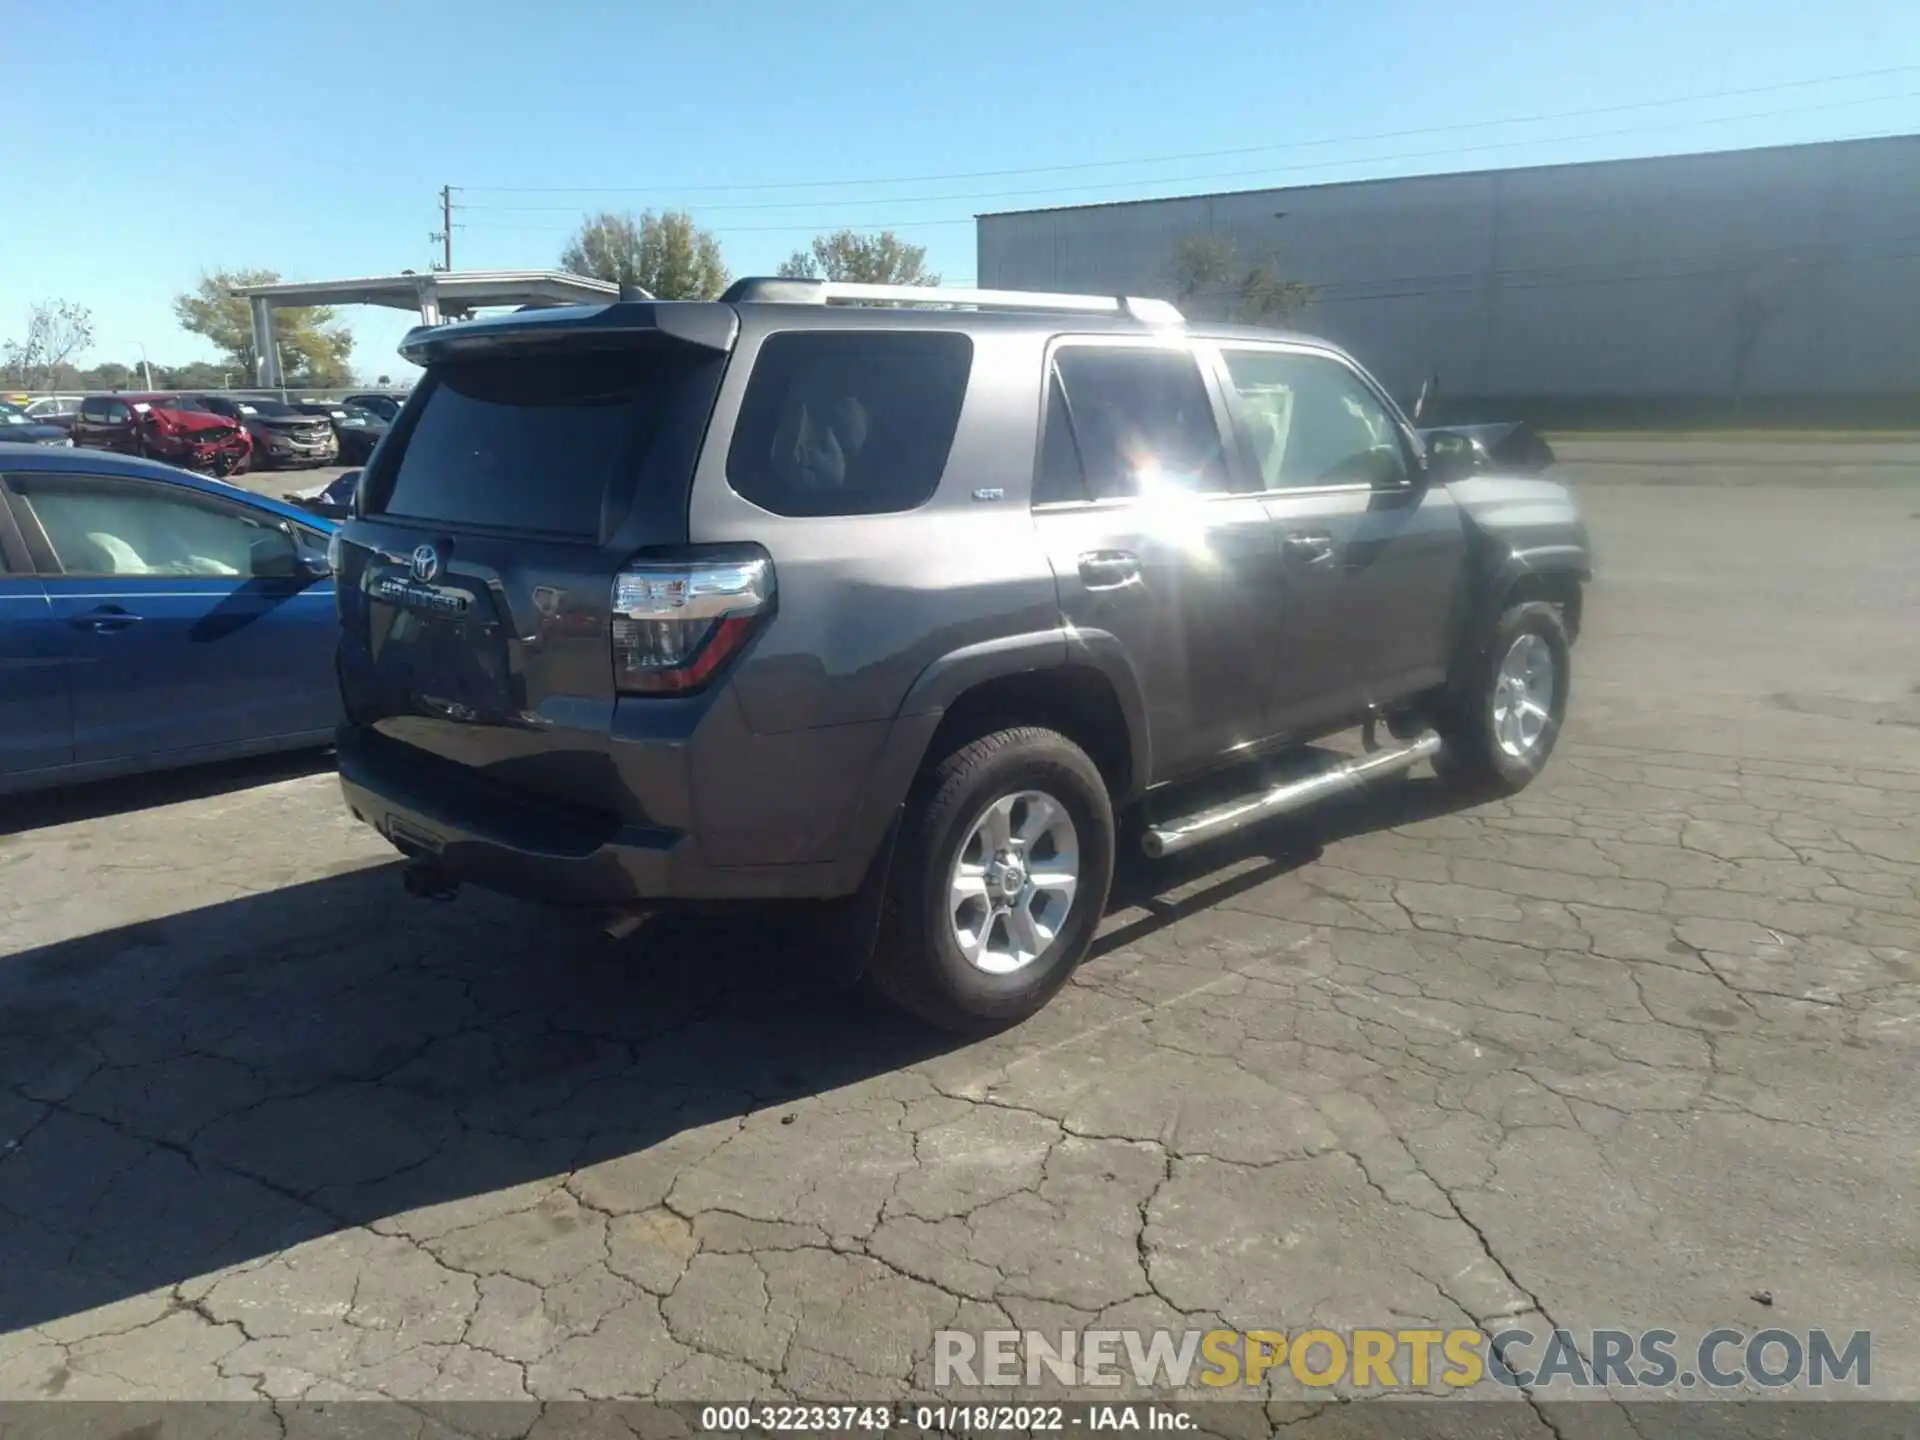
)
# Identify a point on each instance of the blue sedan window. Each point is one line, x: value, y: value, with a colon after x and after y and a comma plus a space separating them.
x: 109, y: 527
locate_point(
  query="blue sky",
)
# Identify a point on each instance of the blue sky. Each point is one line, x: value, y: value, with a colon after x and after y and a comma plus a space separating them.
x: 143, y: 147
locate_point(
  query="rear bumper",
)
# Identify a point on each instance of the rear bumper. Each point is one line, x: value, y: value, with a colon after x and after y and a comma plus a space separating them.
x: 560, y: 854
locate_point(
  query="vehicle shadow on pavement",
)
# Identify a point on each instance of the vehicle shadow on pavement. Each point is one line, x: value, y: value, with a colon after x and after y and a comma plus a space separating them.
x: 1217, y: 872
x: 69, y: 804
x: 207, y: 1089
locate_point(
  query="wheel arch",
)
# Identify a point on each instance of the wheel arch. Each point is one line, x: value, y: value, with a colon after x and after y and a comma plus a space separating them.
x: 1079, y: 682
x: 1555, y: 574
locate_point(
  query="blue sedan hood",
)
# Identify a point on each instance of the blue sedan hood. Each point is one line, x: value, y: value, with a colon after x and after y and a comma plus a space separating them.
x: 34, y: 434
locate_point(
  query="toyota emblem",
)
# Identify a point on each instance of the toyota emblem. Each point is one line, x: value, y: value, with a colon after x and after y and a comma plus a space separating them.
x: 426, y: 563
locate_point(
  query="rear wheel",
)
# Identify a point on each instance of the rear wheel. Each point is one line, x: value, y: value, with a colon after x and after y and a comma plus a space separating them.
x: 1510, y: 703
x: 1002, y: 875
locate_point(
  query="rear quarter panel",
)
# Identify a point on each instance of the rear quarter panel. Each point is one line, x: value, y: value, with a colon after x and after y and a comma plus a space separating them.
x: 867, y: 603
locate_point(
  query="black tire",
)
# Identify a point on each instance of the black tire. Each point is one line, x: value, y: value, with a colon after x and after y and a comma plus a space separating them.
x: 918, y: 964
x: 1473, y: 756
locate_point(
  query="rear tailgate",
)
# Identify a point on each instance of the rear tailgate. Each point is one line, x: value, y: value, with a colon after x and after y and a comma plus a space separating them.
x: 534, y: 461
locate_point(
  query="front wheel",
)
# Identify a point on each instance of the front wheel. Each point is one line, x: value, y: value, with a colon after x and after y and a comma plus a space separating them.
x: 1510, y: 703
x: 1002, y: 875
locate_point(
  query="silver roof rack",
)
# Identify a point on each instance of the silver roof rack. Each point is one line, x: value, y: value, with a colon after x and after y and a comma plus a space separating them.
x: 783, y: 291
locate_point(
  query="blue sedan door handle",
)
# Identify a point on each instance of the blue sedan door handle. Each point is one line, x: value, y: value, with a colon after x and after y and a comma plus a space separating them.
x: 104, y: 619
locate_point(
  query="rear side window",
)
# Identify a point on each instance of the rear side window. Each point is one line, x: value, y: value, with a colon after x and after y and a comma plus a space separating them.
x: 1137, y: 422
x: 137, y: 527
x: 849, y: 422
x: 534, y: 441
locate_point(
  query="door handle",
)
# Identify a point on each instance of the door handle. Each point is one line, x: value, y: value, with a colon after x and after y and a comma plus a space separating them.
x: 1308, y: 546
x: 104, y: 619
x: 1108, y: 569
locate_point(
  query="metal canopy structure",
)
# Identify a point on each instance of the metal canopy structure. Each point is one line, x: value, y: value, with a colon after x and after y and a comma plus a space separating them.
x: 439, y: 295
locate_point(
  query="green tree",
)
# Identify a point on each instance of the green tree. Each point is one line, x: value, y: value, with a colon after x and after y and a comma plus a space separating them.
x: 876, y: 259
x: 667, y: 255
x: 1210, y: 282
x: 314, y: 351
x: 57, y: 330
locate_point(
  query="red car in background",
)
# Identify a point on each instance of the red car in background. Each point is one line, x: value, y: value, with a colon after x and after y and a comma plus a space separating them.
x: 150, y: 425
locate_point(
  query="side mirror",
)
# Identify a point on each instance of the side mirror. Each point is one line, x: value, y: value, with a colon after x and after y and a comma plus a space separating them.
x: 1450, y: 456
x: 278, y: 555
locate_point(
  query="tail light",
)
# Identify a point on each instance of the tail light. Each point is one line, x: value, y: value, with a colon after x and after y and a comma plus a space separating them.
x: 677, y: 620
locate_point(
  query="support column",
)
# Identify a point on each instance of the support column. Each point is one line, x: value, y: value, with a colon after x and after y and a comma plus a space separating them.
x: 265, y: 344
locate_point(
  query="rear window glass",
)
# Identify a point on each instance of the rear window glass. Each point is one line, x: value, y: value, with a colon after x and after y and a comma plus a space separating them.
x: 533, y: 441
x: 849, y: 422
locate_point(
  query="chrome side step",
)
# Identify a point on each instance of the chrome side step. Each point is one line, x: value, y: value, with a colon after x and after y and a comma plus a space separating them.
x: 1182, y: 834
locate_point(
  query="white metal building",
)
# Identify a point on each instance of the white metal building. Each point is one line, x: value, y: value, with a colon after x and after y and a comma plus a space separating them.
x: 1786, y: 271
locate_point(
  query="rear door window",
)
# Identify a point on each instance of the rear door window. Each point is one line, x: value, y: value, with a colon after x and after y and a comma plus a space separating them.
x: 1139, y: 422
x: 534, y: 441
x: 849, y: 422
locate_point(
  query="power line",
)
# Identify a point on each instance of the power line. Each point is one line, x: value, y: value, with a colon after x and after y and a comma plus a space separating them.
x: 1454, y: 128
x: 1191, y: 179
x: 1263, y: 170
x: 803, y: 227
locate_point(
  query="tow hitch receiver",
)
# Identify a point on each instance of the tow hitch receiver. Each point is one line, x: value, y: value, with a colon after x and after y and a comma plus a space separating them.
x: 424, y: 880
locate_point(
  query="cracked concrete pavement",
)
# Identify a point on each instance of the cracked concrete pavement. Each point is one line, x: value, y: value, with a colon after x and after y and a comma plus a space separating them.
x: 1626, y: 1050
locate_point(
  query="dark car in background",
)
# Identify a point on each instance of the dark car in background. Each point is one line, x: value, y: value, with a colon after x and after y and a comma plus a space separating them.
x: 18, y: 427
x: 150, y: 618
x: 331, y: 501
x: 1513, y: 447
x: 376, y: 403
x: 282, y: 435
x: 356, y: 430
x: 163, y: 427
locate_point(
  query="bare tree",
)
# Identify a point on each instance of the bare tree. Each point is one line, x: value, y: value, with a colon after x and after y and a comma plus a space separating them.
x: 57, y: 330
x: 1212, y: 283
x: 1761, y: 292
x: 877, y: 259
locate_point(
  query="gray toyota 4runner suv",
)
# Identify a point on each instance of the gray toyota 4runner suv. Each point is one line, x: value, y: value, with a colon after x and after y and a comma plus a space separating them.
x: 912, y: 602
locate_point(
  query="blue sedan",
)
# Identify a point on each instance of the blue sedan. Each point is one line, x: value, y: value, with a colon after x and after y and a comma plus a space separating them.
x: 151, y: 618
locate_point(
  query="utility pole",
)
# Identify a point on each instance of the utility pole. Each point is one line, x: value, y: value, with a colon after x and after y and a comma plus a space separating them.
x: 446, y: 227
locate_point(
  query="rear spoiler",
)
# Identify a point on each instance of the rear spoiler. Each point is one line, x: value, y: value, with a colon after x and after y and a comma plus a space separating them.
x: 707, y: 324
